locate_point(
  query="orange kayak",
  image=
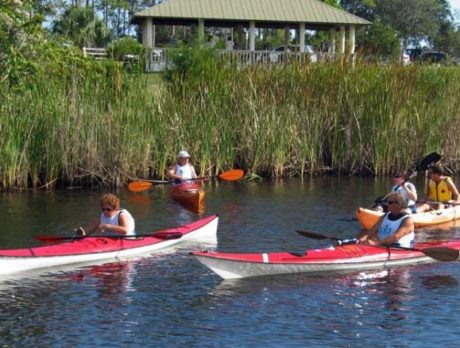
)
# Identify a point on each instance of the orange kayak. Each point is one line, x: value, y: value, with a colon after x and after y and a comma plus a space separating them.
x: 368, y: 217
x: 190, y: 194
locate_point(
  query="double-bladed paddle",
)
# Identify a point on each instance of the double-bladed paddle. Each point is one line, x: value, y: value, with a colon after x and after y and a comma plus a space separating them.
x: 159, y: 235
x: 437, y: 253
x: 424, y: 164
x: 143, y: 185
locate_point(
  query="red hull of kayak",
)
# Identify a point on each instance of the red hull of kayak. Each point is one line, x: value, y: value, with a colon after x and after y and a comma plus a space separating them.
x: 190, y: 194
x: 332, y: 259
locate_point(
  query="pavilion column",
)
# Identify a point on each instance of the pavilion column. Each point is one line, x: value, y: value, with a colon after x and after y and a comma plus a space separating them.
x: 351, y: 39
x: 332, y: 36
x: 342, y: 40
x: 287, y: 36
x: 200, y: 29
x: 302, y: 37
x: 147, y: 33
x: 252, y: 36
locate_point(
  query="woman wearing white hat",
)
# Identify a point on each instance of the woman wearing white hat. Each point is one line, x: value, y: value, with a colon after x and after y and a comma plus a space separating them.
x: 183, y: 170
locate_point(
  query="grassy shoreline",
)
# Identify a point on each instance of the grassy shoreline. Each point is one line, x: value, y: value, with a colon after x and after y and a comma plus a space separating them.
x: 107, y: 127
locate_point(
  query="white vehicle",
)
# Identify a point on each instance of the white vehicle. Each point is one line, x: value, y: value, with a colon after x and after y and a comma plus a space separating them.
x: 278, y: 53
x: 405, y: 59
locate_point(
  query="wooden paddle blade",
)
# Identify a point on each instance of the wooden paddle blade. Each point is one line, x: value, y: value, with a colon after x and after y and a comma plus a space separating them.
x: 428, y: 161
x: 316, y: 235
x: 232, y: 175
x: 139, y: 186
x: 441, y: 253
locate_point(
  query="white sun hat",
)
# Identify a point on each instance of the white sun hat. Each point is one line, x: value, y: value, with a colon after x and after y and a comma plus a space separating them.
x: 183, y: 154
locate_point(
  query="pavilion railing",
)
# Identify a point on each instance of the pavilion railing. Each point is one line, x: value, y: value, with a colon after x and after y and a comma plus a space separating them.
x: 159, y: 58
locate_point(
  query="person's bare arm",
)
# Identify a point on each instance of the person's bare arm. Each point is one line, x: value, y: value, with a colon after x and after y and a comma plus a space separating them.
x: 453, y: 189
x: 365, y: 235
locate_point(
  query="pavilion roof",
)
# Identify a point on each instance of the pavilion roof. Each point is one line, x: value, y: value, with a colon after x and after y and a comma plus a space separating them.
x: 314, y: 13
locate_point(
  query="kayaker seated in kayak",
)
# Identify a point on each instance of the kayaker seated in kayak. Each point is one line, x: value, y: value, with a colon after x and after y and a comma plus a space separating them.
x: 112, y: 221
x: 395, y: 228
x: 406, y: 189
x: 441, y: 190
x: 183, y: 170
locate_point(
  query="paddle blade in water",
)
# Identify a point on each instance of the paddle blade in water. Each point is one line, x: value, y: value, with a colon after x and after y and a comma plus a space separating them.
x: 441, y: 253
x: 139, y: 186
x: 232, y: 175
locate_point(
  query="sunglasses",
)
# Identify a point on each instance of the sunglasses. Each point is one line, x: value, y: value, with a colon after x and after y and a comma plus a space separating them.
x: 106, y: 209
x: 392, y: 202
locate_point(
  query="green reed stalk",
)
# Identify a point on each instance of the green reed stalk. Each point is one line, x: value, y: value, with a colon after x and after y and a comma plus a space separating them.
x: 96, y: 124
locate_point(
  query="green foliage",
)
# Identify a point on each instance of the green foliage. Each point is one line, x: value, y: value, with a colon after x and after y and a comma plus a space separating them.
x: 82, y: 27
x: 189, y: 62
x: 125, y: 46
x: 414, y: 19
x: 379, y: 41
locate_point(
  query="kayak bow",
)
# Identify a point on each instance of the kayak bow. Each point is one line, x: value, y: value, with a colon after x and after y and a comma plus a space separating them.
x: 190, y: 194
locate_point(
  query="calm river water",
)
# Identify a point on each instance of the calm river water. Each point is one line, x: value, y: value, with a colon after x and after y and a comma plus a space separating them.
x: 171, y: 300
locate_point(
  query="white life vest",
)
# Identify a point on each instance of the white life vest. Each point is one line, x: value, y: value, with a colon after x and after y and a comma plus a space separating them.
x: 115, y: 220
x: 185, y: 172
x: 400, y: 189
x: 389, y: 227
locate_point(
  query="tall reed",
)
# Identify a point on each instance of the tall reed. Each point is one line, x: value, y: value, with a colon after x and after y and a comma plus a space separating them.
x: 101, y: 125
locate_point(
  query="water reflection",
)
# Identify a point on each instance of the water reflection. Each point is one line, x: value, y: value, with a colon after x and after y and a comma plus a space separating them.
x: 432, y: 282
x: 182, y: 303
x: 112, y: 279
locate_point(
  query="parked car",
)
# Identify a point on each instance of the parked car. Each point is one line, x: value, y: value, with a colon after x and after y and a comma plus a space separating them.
x: 276, y: 55
x: 435, y: 57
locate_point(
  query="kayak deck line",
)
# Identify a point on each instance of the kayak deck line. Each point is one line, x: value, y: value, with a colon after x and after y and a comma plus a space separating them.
x: 93, y: 249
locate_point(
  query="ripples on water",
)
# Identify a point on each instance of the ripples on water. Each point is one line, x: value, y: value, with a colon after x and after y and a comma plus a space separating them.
x: 170, y: 299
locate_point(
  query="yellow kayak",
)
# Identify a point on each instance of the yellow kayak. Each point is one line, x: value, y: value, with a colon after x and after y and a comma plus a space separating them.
x: 368, y: 217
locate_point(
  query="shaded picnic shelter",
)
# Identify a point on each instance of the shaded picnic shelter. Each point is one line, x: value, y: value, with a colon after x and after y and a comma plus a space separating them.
x: 299, y: 15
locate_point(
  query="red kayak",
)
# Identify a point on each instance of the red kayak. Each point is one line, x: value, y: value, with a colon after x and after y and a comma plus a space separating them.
x: 333, y: 259
x: 190, y: 194
x: 94, y: 248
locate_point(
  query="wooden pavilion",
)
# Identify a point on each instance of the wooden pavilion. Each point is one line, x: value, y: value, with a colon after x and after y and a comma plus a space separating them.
x: 299, y: 15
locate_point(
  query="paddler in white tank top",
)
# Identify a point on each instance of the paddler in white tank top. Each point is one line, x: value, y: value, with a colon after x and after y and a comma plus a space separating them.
x: 183, y: 170
x: 395, y: 228
x: 112, y: 221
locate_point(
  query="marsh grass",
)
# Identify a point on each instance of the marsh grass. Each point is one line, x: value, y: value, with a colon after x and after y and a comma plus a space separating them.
x: 103, y: 126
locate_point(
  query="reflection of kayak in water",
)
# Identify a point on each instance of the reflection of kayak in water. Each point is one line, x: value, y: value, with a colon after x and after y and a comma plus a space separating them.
x: 190, y: 194
x: 368, y: 217
x: 94, y: 248
x: 333, y: 259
